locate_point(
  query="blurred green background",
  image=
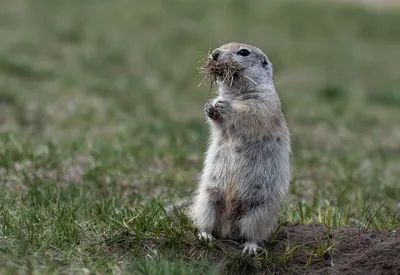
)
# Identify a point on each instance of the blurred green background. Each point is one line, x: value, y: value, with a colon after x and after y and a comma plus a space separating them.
x: 99, y: 101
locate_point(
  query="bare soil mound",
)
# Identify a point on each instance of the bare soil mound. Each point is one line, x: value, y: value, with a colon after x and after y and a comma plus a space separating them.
x: 311, y: 249
x: 353, y: 252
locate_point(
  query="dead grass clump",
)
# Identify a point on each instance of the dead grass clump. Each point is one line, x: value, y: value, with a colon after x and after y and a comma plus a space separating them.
x: 226, y: 69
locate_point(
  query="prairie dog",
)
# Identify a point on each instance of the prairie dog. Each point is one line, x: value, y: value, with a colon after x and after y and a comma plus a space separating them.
x: 246, y: 170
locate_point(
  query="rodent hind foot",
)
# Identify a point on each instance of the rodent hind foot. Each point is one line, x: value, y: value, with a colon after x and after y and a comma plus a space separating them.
x: 250, y: 248
x: 206, y: 237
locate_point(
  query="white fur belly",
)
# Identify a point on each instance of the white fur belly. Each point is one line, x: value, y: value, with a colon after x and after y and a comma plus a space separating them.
x: 219, y: 169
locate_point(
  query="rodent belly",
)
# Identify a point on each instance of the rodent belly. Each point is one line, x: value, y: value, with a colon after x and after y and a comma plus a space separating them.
x: 223, y: 176
x: 221, y: 168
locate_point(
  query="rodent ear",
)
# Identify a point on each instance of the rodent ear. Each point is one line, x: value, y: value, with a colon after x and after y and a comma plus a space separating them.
x: 264, y: 61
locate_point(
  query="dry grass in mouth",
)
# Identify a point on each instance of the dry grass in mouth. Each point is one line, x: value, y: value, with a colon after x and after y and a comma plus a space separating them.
x: 227, y: 69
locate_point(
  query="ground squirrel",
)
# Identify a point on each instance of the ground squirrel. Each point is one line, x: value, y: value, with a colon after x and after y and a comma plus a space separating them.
x: 246, y: 171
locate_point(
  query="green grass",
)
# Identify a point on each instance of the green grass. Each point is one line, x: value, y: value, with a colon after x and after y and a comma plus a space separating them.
x: 101, y: 121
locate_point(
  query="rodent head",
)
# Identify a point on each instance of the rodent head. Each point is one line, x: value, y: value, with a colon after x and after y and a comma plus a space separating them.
x: 240, y: 68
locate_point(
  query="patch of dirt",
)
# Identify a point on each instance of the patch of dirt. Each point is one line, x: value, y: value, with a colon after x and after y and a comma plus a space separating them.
x: 71, y: 170
x: 312, y: 249
x: 74, y: 170
x: 353, y: 252
x: 67, y: 171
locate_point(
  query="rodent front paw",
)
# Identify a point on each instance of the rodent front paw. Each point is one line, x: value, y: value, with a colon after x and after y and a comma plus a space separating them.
x: 211, y: 111
x: 222, y: 106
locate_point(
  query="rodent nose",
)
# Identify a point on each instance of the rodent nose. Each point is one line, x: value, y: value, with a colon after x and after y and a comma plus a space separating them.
x: 215, y: 54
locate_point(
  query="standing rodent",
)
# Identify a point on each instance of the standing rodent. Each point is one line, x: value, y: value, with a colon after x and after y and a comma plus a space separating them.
x: 246, y: 171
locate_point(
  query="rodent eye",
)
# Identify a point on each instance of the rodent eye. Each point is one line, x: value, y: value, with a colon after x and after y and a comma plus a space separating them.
x: 243, y: 52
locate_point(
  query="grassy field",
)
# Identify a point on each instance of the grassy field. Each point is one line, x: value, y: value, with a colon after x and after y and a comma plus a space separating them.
x: 101, y: 121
